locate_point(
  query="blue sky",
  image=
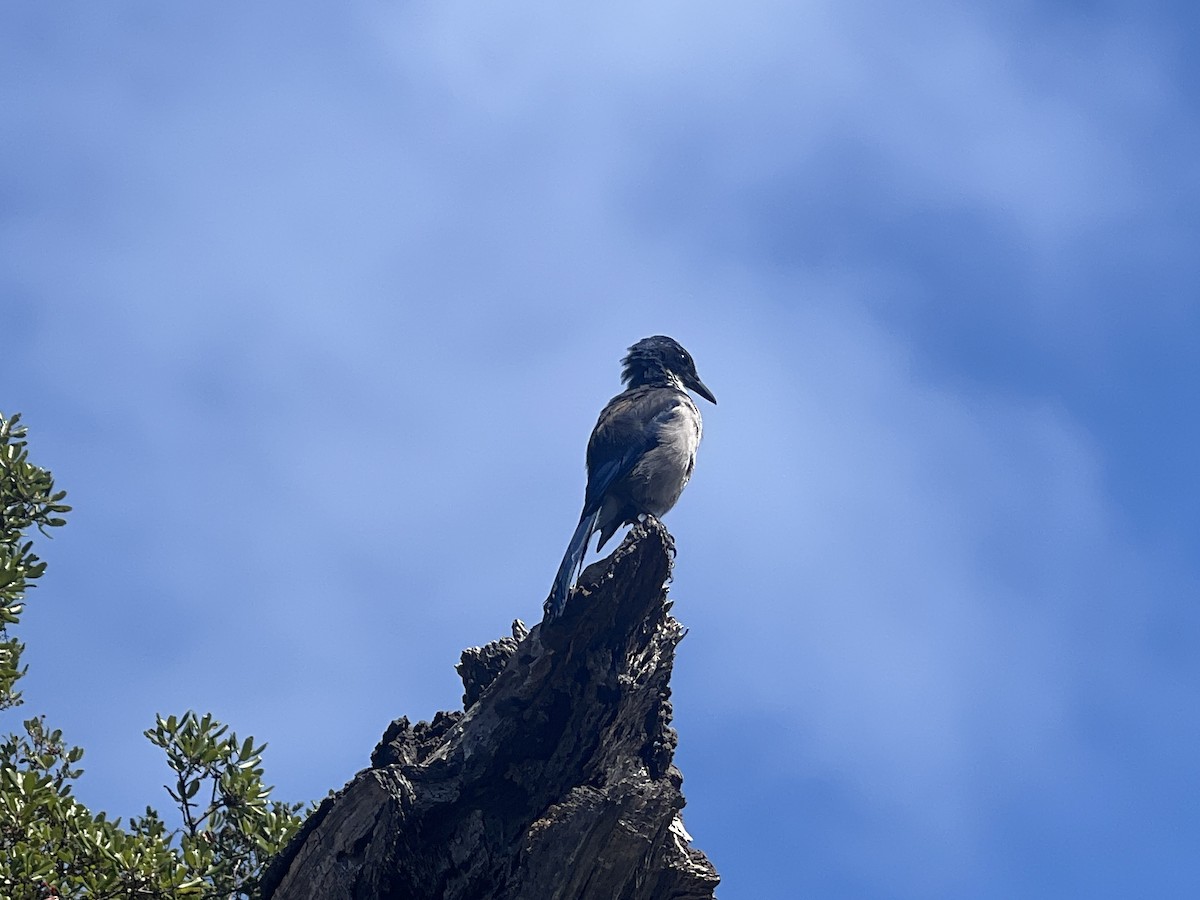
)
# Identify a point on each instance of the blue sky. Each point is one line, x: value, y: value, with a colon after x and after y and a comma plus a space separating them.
x: 312, y: 307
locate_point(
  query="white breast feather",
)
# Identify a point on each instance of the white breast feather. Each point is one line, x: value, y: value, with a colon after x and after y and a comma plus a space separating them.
x: 681, y: 433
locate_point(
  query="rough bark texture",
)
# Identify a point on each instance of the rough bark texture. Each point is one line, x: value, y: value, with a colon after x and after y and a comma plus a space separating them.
x: 556, y: 782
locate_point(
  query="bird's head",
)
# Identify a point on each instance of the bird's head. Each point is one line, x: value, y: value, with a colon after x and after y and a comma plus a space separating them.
x: 661, y: 359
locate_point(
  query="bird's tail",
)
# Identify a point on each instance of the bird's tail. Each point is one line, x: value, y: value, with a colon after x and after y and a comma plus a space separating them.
x: 570, y: 564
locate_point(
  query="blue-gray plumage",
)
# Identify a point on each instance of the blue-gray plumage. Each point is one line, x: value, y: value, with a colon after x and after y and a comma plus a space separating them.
x: 641, y: 453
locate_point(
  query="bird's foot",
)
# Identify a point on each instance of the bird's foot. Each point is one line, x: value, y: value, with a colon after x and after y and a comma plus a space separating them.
x: 651, y: 522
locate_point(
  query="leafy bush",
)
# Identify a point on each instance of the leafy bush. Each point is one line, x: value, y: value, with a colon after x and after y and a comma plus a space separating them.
x: 51, y: 845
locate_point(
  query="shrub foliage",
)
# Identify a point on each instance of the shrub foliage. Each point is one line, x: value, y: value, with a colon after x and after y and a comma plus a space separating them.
x: 51, y: 845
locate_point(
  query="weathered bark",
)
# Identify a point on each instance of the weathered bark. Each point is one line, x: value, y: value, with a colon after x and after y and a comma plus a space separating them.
x: 556, y: 782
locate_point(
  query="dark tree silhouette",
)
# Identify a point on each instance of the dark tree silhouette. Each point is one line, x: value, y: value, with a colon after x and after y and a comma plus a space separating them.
x: 556, y: 781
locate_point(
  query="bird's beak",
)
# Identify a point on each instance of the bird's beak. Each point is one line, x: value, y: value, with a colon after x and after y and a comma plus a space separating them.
x: 698, y: 386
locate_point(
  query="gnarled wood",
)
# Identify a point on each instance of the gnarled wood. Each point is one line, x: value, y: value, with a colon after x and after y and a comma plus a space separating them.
x: 556, y: 781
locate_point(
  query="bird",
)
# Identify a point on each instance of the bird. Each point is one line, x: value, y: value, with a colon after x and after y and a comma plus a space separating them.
x: 641, y: 453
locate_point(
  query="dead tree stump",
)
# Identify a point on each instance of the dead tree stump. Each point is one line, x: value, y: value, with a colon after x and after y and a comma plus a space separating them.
x: 555, y: 782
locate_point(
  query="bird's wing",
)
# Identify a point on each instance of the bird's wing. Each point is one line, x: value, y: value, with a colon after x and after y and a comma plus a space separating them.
x: 629, y: 427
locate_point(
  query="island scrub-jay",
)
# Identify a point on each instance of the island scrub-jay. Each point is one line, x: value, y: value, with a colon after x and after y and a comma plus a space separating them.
x: 641, y: 453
